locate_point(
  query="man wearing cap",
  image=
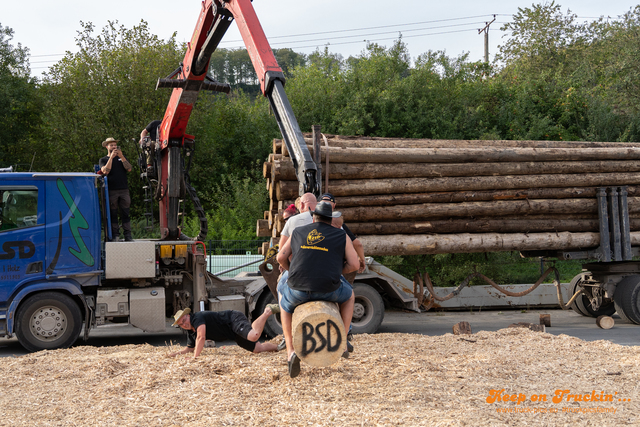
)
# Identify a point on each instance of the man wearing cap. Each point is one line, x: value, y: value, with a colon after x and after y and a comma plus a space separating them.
x: 115, y: 166
x: 320, y: 254
x: 357, y: 244
x: 221, y: 326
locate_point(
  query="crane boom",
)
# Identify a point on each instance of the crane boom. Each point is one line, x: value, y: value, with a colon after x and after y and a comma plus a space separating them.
x: 191, y: 77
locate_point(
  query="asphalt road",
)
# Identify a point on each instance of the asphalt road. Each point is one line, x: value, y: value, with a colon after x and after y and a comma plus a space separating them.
x: 438, y: 323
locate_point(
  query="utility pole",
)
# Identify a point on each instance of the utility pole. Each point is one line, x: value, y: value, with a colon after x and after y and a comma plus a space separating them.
x: 486, y: 38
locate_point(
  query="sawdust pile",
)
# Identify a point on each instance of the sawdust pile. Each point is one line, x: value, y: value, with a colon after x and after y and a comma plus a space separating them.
x: 391, y: 379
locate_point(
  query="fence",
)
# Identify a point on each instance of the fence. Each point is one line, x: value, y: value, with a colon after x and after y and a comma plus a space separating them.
x: 225, y: 255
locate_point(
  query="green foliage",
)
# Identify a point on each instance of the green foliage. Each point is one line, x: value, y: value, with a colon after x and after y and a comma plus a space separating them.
x: 238, y: 202
x: 234, y: 135
x: 20, y: 104
x: 106, y: 89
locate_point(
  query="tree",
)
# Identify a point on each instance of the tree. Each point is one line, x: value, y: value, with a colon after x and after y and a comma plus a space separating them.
x: 20, y: 105
x: 105, y: 89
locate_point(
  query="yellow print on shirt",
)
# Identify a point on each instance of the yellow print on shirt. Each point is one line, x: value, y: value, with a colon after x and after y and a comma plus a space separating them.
x: 314, y: 237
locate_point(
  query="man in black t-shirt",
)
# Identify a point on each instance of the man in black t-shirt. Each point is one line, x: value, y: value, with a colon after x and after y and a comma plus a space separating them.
x: 320, y: 255
x: 221, y: 326
x: 115, y: 167
x: 357, y: 244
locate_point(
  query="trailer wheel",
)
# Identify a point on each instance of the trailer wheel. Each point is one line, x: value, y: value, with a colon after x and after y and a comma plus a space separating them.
x: 627, y: 299
x: 583, y: 306
x: 273, y: 327
x: 48, y: 320
x: 368, y: 311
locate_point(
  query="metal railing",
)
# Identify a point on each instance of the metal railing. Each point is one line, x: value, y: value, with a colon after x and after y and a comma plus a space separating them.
x: 230, y: 257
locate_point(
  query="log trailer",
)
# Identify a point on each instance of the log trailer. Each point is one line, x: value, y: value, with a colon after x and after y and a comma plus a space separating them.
x: 566, y: 200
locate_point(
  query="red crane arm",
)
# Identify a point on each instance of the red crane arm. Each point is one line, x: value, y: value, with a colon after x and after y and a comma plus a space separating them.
x: 191, y: 77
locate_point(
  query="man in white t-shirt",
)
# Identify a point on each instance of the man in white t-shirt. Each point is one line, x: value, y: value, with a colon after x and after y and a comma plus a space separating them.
x: 308, y: 203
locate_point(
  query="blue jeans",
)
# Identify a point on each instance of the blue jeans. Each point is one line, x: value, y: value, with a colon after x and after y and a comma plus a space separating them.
x: 291, y: 298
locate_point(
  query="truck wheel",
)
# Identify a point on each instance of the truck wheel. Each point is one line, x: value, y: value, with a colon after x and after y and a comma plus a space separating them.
x: 627, y: 299
x: 273, y: 327
x: 48, y: 320
x: 368, y: 311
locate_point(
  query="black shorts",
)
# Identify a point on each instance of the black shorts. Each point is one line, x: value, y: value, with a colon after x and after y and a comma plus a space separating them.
x: 241, y: 327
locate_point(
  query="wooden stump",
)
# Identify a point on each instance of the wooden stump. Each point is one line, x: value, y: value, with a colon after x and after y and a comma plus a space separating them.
x: 319, y: 338
x: 605, y: 322
x: 462, y: 328
x: 545, y: 319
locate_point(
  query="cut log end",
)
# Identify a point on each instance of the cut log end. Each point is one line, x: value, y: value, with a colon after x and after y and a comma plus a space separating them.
x: 605, y: 322
x: 319, y: 337
x: 545, y: 319
x: 462, y: 328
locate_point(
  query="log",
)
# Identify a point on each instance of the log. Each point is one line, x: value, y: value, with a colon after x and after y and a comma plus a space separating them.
x: 419, y: 244
x: 284, y: 171
x: 605, y: 322
x: 475, y: 154
x: 264, y: 248
x: 468, y: 196
x: 368, y: 187
x: 378, y: 142
x: 474, y: 209
x: 372, y: 141
x: 319, y: 337
x: 266, y: 169
x: 462, y: 328
x: 262, y: 228
x: 545, y: 319
x: 470, y: 225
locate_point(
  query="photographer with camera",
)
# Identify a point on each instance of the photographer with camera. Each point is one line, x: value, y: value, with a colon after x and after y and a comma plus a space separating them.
x: 115, y: 166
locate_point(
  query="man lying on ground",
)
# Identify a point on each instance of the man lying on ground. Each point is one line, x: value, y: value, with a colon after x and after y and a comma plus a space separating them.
x: 223, y: 325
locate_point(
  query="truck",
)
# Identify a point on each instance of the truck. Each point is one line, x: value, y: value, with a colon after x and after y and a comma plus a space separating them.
x: 60, y: 273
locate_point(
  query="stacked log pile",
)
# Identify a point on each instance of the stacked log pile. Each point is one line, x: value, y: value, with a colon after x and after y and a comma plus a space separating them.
x: 405, y: 196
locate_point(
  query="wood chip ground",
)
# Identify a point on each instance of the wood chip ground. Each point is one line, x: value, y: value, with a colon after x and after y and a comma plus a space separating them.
x: 390, y: 379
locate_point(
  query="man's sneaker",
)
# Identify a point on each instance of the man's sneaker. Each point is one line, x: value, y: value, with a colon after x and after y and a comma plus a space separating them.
x: 128, y: 239
x: 349, y: 347
x: 294, y: 366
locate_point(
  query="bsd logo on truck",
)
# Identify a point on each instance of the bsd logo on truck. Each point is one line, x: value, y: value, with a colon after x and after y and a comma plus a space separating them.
x: 26, y: 249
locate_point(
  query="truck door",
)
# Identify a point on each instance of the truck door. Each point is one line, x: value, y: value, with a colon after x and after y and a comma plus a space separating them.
x: 73, y: 228
x: 22, y: 231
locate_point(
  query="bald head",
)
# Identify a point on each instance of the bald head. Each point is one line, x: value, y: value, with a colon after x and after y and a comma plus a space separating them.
x: 308, y: 202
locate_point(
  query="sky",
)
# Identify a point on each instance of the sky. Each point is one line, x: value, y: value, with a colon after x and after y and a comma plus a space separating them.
x: 48, y: 28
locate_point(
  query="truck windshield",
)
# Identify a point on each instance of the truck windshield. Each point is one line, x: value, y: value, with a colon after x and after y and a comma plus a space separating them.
x: 19, y: 208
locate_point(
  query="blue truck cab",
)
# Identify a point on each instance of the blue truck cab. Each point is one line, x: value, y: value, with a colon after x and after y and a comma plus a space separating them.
x: 50, y: 249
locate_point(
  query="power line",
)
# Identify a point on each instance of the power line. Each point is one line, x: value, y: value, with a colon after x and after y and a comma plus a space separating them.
x: 380, y: 33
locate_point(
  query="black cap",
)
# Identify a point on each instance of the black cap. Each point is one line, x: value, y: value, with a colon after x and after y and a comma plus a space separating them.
x: 324, y: 209
x: 329, y: 197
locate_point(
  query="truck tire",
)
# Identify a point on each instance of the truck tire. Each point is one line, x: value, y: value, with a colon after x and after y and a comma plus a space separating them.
x: 48, y: 320
x: 273, y: 327
x: 368, y: 311
x: 627, y: 299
